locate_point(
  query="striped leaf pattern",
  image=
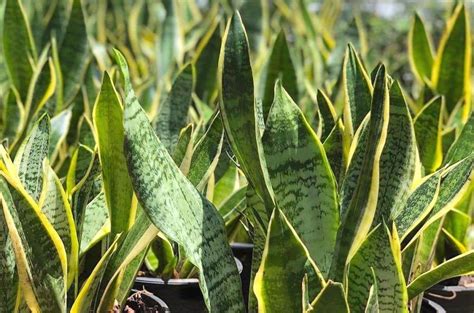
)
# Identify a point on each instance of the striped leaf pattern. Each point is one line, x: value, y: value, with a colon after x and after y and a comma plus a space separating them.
x: 428, y: 127
x: 30, y: 156
x: 8, y: 271
x: 18, y: 46
x: 399, y: 158
x: 357, y: 91
x: 74, y: 53
x: 301, y: 177
x: 238, y: 108
x: 183, y: 214
x: 357, y: 217
x: 96, y: 223
x: 381, y: 252
x: 173, y: 112
x: 279, y: 279
x: 39, y: 252
x: 55, y: 206
x: 464, y: 144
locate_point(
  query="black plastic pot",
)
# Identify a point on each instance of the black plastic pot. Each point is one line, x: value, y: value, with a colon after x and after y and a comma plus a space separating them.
x: 152, y: 301
x: 429, y: 306
x: 181, y: 295
x: 243, y: 252
x: 453, y: 299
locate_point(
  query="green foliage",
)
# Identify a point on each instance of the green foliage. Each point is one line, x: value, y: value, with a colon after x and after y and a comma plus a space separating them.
x: 278, y: 125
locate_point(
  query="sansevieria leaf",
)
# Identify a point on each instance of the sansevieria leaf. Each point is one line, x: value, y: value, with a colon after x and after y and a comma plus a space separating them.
x: 238, y: 108
x: 399, y: 157
x: 332, y: 296
x: 327, y: 113
x: 428, y: 127
x: 452, y: 67
x: 419, y: 50
x: 173, y: 112
x: 460, y: 265
x: 381, y: 252
x: 280, y: 66
x: 74, y: 53
x: 18, y: 46
x: 174, y: 205
x: 279, y: 279
x: 96, y: 223
x: 357, y: 91
x: 29, y: 158
x: 39, y: 252
x: 464, y: 144
x: 363, y: 186
x: 108, y: 117
x: 55, y: 205
x: 304, y: 186
x: 8, y: 272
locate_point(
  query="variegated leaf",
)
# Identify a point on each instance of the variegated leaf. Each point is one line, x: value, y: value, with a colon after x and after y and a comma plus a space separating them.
x: 173, y: 112
x: 331, y: 297
x: 419, y: 50
x: 357, y: 216
x: 464, y: 144
x: 29, y: 158
x: 238, y: 108
x: 278, y: 281
x: 176, y: 207
x: 301, y: 177
x: 96, y: 223
x: 108, y: 117
x: 379, y: 252
x: 428, y: 127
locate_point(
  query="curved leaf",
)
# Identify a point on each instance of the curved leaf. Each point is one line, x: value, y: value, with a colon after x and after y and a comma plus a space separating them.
x: 331, y: 297
x: 96, y: 223
x: 176, y: 207
x: 464, y: 144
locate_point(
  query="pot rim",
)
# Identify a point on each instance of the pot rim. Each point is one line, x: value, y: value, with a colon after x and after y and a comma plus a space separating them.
x: 179, y: 281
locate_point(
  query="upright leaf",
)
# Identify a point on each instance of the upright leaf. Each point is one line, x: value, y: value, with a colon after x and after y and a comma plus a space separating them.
x: 452, y: 67
x: 108, y: 117
x: 173, y: 112
x: 238, y: 108
x: 399, y: 158
x: 206, y: 154
x: 301, y: 177
x: 419, y: 50
x: 8, y: 272
x: 96, y: 223
x: 327, y: 113
x: 357, y: 91
x: 74, y: 53
x: 333, y: 145
x: 29, y: 158
x: 464, y: 144
x: 278, y: 281
x: 363, y: 184
x: 183, y: 214
x: 55, y: 206
x: 59, y: 129
x: 379, y: 252
x: 280, y: 66
x: 428, y: 127
x: 18, y: 46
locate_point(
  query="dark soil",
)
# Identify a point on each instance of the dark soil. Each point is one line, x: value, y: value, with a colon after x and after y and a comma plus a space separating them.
x: 136, y: 304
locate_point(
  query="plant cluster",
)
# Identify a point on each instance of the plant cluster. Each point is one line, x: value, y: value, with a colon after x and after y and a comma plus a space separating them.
x: 153, y: 133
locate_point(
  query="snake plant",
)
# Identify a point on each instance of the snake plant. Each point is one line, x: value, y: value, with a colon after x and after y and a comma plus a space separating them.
x: 150, y: 134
